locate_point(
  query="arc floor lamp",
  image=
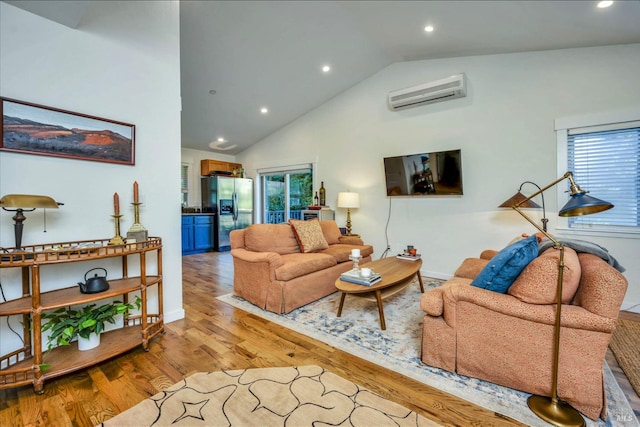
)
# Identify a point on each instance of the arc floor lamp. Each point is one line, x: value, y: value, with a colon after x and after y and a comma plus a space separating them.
x: 550, y: 408
x: 525, y: 202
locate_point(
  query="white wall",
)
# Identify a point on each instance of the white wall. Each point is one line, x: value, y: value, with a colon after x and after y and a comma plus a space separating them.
x: 192, y: 158
x: 505, y: 128
x: 121, y: 63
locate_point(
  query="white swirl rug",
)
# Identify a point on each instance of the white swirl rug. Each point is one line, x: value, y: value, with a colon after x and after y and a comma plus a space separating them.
x: 398, y: 348
x: 294, y: 396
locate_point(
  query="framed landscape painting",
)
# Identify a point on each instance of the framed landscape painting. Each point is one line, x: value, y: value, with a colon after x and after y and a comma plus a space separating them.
x: 37, y: 129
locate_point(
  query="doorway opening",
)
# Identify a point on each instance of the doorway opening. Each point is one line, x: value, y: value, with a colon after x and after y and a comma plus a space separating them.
x: 285, y: 194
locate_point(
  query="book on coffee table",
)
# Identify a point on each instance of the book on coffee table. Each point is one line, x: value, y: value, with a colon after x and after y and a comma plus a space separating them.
x: 409, y: 257
x: 359, y: 280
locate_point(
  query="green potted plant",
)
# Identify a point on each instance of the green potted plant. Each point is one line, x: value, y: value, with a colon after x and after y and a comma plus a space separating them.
x: 66, y: 324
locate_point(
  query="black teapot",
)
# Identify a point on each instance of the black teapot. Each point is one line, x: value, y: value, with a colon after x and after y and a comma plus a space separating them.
x: 94, y: 284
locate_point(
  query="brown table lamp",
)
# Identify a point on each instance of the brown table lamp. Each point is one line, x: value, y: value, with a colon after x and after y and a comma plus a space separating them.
x: 24, y: 203
x: 550, y: 408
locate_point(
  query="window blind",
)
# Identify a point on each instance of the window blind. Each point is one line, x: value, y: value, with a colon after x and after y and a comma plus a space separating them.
x: 184, y: 178
x: 606, y: 162
x: 282, y: 170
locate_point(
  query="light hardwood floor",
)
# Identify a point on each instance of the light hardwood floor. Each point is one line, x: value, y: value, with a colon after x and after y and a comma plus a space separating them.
x: 216, y: 336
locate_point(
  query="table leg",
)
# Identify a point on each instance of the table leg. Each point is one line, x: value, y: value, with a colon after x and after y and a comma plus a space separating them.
x: 341, y: 304
x: 420, y: 280
x: 383, y: 325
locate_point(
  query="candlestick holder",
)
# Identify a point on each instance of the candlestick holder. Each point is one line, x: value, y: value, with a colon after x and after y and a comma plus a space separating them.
x: 137, y: 231
x: 356, y: 261
x: 117, y: 239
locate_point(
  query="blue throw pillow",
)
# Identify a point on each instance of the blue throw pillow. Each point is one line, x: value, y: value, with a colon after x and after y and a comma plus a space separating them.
x: 506, y: 265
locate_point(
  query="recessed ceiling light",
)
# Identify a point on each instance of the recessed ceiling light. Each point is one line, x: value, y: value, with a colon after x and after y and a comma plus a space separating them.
x: 429, y: 28
x: 604, y: 4
x: 217, y: 145
x: 326, y: 68
x: 264, y: 110
x: 212, y: 92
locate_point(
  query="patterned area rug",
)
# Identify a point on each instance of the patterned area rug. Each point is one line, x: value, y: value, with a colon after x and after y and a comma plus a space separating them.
x: 295, y: 396
x: 625, y: 345
x: 398, y: 348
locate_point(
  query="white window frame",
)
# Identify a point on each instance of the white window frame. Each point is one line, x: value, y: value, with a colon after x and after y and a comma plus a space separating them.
x: 562, y: 128
x: 290, y: 168
x: 190, y: 180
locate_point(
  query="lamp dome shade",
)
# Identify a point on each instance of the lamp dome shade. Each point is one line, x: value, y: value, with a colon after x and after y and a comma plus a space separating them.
x: 583, y: 204
x: 27, y: 201
x: 518, y: 198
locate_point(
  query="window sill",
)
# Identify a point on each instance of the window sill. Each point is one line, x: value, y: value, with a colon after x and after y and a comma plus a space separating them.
x: 615, y: 234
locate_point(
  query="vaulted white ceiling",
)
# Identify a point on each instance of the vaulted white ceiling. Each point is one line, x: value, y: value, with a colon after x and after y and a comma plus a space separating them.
x: 254, y: 54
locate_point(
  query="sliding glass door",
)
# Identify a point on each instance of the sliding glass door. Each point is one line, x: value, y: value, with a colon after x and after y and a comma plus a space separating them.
x: 285, y: 194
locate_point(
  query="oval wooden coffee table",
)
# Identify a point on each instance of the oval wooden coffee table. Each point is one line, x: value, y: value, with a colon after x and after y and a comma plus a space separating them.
x: 396, y: 274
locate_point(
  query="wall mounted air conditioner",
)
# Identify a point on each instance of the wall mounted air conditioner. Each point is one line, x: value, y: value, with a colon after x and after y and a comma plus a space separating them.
x: 440, y: 90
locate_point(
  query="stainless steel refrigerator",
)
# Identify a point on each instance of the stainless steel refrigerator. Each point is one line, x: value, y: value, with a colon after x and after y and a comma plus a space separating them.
x: 231, y: 199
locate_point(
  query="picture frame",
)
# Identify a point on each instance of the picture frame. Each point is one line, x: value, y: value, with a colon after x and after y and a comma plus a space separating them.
x: 38, y: 129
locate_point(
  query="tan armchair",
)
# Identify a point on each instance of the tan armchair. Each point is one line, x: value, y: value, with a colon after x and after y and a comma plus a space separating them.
x: 502, y: 339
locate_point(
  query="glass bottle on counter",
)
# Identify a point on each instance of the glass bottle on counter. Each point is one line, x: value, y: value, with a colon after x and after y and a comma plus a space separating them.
x: 315, y: 199
x: 323, y: 195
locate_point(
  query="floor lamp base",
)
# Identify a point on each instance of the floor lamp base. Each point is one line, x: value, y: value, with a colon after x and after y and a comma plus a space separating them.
x: 556, y: 412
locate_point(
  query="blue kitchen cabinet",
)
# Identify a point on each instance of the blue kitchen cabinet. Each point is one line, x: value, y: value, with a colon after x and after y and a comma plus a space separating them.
x: 197, y: 233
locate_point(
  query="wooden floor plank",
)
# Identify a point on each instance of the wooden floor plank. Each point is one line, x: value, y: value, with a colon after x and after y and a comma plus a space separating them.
x: 216, y: 336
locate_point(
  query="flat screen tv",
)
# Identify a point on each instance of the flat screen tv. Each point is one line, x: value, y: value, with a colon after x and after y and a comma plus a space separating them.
x: 427, y: 174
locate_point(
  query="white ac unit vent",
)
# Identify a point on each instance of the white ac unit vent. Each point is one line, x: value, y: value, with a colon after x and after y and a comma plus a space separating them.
x: 440, y: 90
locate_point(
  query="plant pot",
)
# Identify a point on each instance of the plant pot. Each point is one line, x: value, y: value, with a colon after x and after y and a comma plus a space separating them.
x: 88, y: 343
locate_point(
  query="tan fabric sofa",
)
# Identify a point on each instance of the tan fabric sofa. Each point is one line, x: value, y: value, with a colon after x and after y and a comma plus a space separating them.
x: 505, y: 340
x: 271, y: 272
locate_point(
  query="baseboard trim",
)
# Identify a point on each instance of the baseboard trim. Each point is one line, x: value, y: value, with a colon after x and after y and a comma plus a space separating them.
x: 631, y: 306
x: 172, y: 316
x: 435, y: 275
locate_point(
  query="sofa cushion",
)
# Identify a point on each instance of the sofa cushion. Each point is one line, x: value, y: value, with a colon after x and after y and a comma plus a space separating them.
x: 277, y: 238
x: 488, y: 254
x: 351, y: 240
x: 602, y: 287
x: 296, y: 265
x: 330, y: 231
x: 309, y: 235
x: 506, y: 265
x: 471, y: 267
x: 537, y: 284
x: 341, y: 251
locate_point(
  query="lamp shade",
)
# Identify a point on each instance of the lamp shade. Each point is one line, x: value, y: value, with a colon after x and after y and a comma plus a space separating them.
x: 348, y: 200
x: 518, y: 198
x: 27, y: 201
x: 583, y: 204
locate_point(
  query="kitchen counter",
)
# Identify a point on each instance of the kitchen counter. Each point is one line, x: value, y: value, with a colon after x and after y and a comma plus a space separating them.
x: 197, y: 213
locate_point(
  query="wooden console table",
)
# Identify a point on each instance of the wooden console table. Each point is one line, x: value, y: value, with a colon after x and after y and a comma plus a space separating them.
x: 22, y: 366
x: 396, y: 274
